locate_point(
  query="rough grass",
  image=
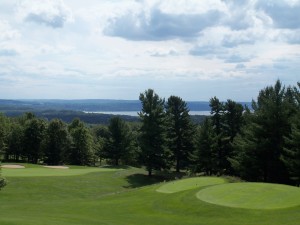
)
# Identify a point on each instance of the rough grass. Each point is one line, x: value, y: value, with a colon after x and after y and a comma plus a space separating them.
x: 190, y: 183
x: 123, y: 197
x: 252, y: 195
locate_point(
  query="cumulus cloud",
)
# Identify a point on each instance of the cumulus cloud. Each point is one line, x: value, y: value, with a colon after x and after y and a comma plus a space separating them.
x: 52, y: 13
x: 284, y: 13
x: 160, y: 25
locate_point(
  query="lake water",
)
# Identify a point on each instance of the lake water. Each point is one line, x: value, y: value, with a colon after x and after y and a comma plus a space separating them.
x: 133, y: 113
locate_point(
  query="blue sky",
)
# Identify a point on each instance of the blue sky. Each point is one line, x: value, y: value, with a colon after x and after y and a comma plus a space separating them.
x: 113, y: 49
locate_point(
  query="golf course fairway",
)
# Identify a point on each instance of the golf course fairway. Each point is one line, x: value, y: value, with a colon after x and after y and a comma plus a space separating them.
x: 125, y: 196
x: 190, y: 183
x: 251, y: 195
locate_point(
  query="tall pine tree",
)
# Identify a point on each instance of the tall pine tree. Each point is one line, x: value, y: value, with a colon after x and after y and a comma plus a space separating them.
x: 180, y: 131
x: 260, y: 147
x: 153, y: 140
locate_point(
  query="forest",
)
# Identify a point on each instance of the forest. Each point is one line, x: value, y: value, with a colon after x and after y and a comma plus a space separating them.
x: 257, y: 144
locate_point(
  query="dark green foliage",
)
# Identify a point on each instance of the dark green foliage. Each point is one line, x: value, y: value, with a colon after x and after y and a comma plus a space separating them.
x: 34, y: 133
x: 81, y: 151
x: 258, y: 145
x: 15, y: 142
x: 261, y: 145
x: 4, y: 131
x: 292, y: 152
x: 205, y: 155
x: 180, y: 131
x: 233, y: 119
x: 153, y: 140
x: 2, y: 179
x: 57, y: 142
x: 118, y: 145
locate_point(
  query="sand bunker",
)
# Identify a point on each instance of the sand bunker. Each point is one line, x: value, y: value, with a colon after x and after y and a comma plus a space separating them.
x: 13, y: 166
x: 57, y: 167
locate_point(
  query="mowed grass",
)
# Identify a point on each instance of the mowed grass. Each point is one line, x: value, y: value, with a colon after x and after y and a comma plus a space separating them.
x: 43, y: 172
x: 190, y: 183
x: 119, y: 197
x: 252, y: 195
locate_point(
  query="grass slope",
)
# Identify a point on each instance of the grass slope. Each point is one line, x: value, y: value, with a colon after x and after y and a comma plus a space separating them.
x: 252, y: 195
x: 191, y: 183
x: 121, y: 197
x: 45, y: 172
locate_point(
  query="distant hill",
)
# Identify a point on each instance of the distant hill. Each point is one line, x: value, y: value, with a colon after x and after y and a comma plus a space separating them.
x: 67, y: 110
x: 89, y: 105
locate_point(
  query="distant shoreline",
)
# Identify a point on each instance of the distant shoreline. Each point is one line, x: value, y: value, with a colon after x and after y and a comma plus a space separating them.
x: 134, y: 113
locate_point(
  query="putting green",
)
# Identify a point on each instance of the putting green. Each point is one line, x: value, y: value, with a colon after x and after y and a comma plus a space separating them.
x: 190, y: 183
x: 252, y: 195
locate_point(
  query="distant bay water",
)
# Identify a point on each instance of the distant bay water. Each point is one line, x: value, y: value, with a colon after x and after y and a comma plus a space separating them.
x: 135, y: 113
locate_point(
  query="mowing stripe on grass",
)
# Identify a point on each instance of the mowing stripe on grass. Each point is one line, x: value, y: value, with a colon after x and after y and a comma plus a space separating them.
x: 252, y: 195
x: 190, y: 183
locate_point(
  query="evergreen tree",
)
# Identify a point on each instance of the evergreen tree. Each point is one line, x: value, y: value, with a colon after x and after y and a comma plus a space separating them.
x: 261, y: 146
x: 15, y: 142
x: 180, y: 131
x: 205, y: 155
x: 4, y: 132
x: 231, y: 126
x: 34, y: 132
x: 81, y: 152
x: 233, y: 119
x: 100, y: 137
x: 119, y: 144
x: 56, y: 142
x: 217, y: 117
x: 292, y: 152
x: 153, y: 131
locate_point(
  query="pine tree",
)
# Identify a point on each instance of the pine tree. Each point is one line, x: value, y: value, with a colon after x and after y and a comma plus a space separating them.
x: 118, y: 146
x: 33, y: 136
x: 217, y: 119
x: 81, y: 152
x: 261, y: 145
x: 153, y: 140
x: 292, y: 152
x: 205, y: 155
x: 180, y: 131
x: 56, y: 142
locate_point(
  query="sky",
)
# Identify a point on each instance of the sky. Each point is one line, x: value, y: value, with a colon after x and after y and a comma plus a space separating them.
x: 116, y: 49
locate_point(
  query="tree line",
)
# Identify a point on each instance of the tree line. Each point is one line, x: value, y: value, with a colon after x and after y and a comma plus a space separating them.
x: 257, y: 144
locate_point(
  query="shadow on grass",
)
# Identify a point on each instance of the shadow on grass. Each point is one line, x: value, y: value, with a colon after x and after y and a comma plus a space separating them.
x: 115, y: 167
x: 140, y: 180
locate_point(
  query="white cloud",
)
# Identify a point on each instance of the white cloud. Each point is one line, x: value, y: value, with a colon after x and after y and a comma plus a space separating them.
x: 103, y: 47
x: 7, y: 32
x: 284, y: 13
x: 53, y: 13
x: 158, y: 22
